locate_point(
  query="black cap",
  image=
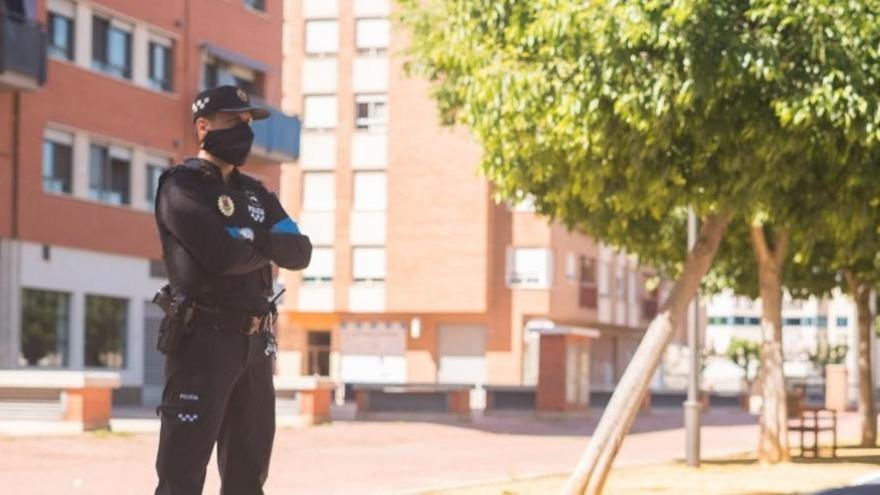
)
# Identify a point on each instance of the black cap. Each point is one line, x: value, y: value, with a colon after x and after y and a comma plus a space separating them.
x: 225, y: 99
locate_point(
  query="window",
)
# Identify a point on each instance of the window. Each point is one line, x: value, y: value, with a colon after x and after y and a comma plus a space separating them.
x: 319, y: 191
x: 322, y: 37
x: 822, y: 321
x: 791, y: 322
x: 321, y: 266
x: 256, y: 4
x: 371, y: 112
x: 155, y: 167
x: 319, y: 353
x: 111, y: 47
x: 319, y: 112
x: 109, y: 174
x: 161, y: 69
x: 106, y: 325
x: 61, y: 34
x: 531, y: 267
x: 571, y: 266
x: 754, y: 320
x: 587, y: 268
x: 739, y: 320
x: 372, y: 36
x: 219, y: 72
x: 842, y: 321
x: 369, y: 191
x: 57, y: 162
x: 45, y: 325
x: 588, y: 293
x: 368, y: 264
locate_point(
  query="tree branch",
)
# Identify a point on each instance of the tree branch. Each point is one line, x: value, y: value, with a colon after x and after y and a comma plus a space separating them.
x: 759, y: 242
x: 781, y: 247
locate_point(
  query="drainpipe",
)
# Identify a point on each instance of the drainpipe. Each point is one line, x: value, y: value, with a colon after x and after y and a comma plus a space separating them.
x: 16, y: 152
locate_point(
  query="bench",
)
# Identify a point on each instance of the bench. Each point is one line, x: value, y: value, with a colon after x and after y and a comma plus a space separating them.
x: 84, y: 398
x: 509, y: 398
x: 303, y: 401
x: 413, y: 398
x: 806, y: 419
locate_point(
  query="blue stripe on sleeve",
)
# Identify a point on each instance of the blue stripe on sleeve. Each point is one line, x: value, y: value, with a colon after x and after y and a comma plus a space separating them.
x: 286, y: 226
x: 234, y: 232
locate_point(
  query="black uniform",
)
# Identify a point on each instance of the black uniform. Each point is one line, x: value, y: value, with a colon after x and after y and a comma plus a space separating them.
x: 218, y: 242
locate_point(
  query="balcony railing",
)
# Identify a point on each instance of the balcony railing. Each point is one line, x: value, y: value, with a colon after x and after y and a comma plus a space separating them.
x: 23, y: 45
x: 277, y: 138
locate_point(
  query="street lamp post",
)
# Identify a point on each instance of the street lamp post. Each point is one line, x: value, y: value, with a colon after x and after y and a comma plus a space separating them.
x: 692, y: 404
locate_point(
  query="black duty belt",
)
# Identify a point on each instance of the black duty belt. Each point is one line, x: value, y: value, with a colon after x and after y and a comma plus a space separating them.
x: 226, y: 318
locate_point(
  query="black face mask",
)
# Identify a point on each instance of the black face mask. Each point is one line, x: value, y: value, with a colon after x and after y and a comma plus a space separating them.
x: 231, y: 145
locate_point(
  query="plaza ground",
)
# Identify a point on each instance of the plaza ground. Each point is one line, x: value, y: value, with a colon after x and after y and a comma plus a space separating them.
x: 382, y: 457
x: 734, y: 475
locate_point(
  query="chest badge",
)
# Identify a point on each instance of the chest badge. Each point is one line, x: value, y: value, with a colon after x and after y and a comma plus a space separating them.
x: 225, y: 205
x: 255, y: 209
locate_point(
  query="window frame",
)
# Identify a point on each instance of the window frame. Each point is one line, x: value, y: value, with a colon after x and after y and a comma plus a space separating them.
x: 368, y: 279
x: 123, y: 332
x: 321, y: 279
x: 330, y: 176
x: 358, y: 201
x: 57, y: 139
x: 306, y: 123
x: 323, y: 52
x: 63, y: 328
x: 54, y: 50
x: 256, y: 5
x: 371, y: 122
x: 370, y: 50
x: 102, y: 61
x: 166, y: 84
x: 106, y: 169
x: 152, y: 164
x: 518, y: 280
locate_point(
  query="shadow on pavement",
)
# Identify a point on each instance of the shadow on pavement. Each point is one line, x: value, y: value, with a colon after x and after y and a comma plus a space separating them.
x: 583, y: 424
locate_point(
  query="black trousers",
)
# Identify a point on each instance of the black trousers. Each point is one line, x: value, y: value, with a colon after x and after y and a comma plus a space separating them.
x: 218, y: 389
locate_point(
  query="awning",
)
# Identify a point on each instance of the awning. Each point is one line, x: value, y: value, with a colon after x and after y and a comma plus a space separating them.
x: 544, y: 326
x: 235, y: 58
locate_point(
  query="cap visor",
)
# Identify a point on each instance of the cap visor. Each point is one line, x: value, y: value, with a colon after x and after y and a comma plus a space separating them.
x: 257, y: 113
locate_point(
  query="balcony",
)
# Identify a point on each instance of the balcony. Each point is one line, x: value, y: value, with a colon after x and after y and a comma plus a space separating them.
x: 23, y: 45
x: 276, y: 139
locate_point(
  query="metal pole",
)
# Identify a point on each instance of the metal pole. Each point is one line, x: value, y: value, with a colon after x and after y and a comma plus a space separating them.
x: 692, y: 404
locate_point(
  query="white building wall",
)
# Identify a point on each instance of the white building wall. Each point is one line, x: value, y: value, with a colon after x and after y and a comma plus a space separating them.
x: 80, y: 273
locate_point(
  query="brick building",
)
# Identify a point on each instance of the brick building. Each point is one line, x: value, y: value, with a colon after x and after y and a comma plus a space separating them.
x: 94, y: 102
x: 417, y: 274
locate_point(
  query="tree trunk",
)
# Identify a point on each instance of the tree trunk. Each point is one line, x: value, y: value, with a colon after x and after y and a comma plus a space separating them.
x: 773, y: 420
x: 861, y: 293
x: 590, y: 473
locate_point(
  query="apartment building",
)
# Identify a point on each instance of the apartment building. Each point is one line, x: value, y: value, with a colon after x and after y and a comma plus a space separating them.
x: 95, y: 102
x: 806, y: 324
x: 417, y: 274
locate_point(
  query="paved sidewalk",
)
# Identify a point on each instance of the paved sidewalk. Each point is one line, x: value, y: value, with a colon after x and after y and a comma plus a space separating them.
x: 374, y: 457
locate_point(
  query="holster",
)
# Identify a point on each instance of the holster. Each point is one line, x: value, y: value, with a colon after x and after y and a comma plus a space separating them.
x: 175, y: 326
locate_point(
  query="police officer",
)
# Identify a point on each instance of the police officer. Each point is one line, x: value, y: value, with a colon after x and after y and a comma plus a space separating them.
x: 220, y: 231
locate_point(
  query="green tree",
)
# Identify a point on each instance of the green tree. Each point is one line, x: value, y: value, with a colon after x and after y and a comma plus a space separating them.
x: 844, y: 252
x: 618, y: 116
x: 744, y: 353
